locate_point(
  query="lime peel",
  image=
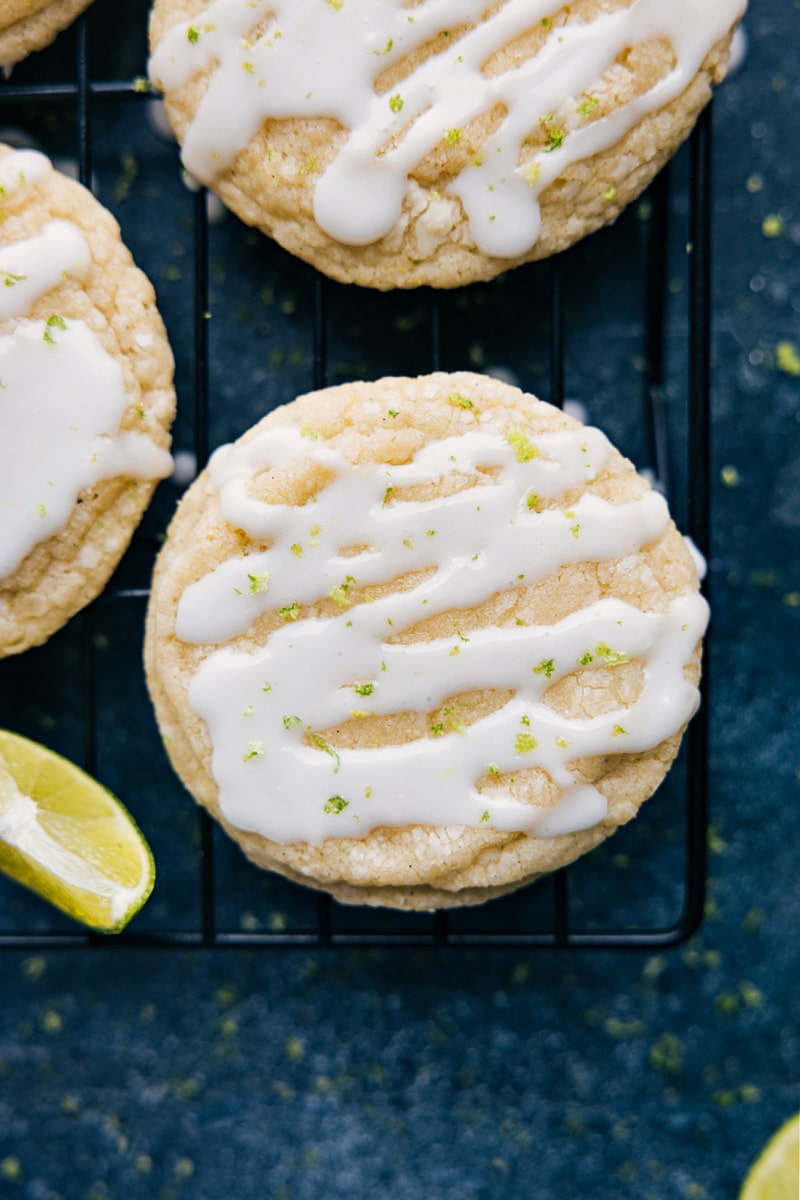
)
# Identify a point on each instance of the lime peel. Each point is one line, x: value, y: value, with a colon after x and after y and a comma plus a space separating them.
x: 776, y: 1172
x: 67, y: 838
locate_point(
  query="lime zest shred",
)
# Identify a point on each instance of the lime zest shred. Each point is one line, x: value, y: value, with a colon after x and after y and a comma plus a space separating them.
x: 258, y: 583
x: 525, y: 449
x: 254, y: 750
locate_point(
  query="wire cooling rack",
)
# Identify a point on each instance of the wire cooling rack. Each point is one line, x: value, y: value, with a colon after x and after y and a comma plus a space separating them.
x: 620, y: 324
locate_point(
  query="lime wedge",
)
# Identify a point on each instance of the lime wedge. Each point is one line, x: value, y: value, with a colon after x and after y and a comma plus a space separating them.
x: 68, y: 839
x: 775, y: 1175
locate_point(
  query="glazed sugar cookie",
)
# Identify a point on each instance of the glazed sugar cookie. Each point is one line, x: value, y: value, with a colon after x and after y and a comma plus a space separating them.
x: 394, y: 143
x: 416, y: 642
x: 28, y: 25
x: 86, y: 398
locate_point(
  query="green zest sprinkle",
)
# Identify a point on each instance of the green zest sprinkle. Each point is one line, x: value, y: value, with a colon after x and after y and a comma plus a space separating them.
x: 532, y: 500
x: 339, y: 593
x: 585, y: 659
x: 288, y: 722
x: 363, y: 689
x: 524, y: 447
x: 9, y: 279
x: 451, y: 136
x: 772, y: 226
x: 254, y: 750
x: 787, y: 358
x: 53, y: 322
x: 455, y: 398
x: 493, y: 768
x: 438, y: 728
x: 321, y: 744
x: 387, y: 494
x: 394, y: 412
x: 587, y: 106
x: 618, y: 731
x: 396, y: 103
x: 308, y: 432
x: 291, y: 612
x: 612, y: 658
x: 42, y: 510
x: 193, y: 33
x: 555, y: 138
x: 485, y: 817
x: 525, y: 742
x: 258, y: 583
x: 296, y: 549
x: 545, y: 667
x: 248, y: 712
x: 336, y: 804
x: 562, y: 742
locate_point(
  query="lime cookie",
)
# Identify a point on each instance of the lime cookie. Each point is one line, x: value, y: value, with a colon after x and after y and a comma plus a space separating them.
x: 416, y: 642
x: 394, y: 143
x: 28, y: 25
x: 86, y: 398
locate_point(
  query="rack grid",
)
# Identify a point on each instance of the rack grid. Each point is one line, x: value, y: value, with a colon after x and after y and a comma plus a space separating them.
x: 542, y: 915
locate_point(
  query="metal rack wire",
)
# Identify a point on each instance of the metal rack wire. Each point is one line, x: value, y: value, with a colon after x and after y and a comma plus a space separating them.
x: 502, y: 923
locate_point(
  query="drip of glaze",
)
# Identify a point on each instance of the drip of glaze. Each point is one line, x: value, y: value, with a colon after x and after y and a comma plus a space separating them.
x: 61, y: 401
x: 270, y: 59
x: 269, y: 711
x: 62, y: 396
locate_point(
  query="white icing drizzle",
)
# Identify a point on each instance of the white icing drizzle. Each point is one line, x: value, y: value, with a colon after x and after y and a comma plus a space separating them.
x: 62, y: 396
x: 22, y: 169
x: 29, y: 269
x: 265, y: 708
x: 322, y: 60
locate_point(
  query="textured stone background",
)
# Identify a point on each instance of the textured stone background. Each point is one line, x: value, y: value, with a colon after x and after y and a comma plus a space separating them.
x: 456, y: 1074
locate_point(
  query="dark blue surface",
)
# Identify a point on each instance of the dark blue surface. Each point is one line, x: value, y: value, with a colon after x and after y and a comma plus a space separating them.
x: 463, y: 1074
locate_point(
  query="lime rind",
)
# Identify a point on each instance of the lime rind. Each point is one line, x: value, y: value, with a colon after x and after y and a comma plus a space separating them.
x: 775, y: 1174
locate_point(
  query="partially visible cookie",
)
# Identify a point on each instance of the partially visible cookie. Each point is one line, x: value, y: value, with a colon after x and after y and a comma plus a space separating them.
x: 86, y: 398
x: 402, y: 143
x: 28, y: 25
x: 416, y: 642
